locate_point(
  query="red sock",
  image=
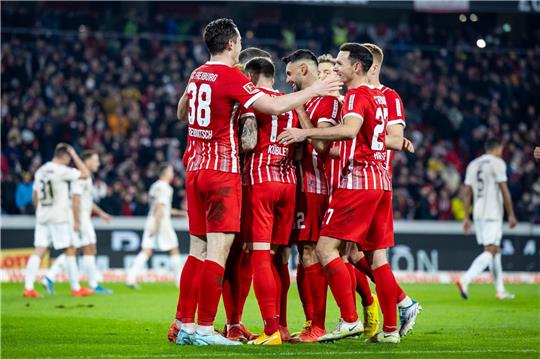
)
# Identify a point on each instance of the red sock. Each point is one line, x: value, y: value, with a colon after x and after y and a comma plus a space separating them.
x: 314, y: 275
x: 264, y: 284
x: 244, y: 275
x: 228, y: 299
x: 277, y: 280
x: 362, y: 287
x: 304, y: 292
x: 364, y: 267
x: 210, y: 288
x: 400, y: 293
x: 230, y: 282
x: 340, y: 284
x: 352, y: 275
x: 285, y: 282
x: 386, y: 290
x: 189, y: 290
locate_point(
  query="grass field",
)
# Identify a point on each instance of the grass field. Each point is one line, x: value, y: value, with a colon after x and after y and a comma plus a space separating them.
x: 134, y: 324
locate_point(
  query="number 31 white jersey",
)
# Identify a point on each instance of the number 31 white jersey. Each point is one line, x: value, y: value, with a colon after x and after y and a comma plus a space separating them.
x: 484, y: 175
x: 51, y: 183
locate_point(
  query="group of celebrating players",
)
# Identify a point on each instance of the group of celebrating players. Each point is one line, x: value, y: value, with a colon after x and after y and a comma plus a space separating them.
x: 267, y: 170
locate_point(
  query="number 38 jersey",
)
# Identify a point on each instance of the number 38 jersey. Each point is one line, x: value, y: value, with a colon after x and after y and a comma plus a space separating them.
x: 269, y: 161
x: 484, y: 175
x: 363, y: 158
x: 51, y: 183
x: 214, y: 93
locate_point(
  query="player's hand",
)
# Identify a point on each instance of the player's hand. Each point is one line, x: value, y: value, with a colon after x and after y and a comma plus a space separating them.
x: 77, y: 226
x: 408, y: 145
x: 512, y: 221
x: 536, y: 154
x: 106, y: 217
x: 291, y: 135
x: 331, y: 84
x: 467, y: 226
x: 71, y: 150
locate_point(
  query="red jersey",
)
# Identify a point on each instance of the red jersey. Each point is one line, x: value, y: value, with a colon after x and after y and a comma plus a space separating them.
x: 396, y: 116
x: 311, y: 168
x: 214, y: 92
x: 333, y: 171
x: 363, y: 158
x: 269, y: 161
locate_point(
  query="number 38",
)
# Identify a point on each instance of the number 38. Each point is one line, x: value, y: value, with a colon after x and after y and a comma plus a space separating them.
x: 202, y: 112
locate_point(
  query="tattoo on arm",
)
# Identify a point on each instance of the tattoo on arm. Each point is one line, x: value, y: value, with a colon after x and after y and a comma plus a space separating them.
x: 249, y: 134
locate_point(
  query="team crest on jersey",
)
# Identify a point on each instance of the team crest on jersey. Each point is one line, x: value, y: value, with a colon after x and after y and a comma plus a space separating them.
x: 250, y: 88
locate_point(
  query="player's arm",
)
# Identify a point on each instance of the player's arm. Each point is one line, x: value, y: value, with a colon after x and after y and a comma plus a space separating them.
x: 158, y: 214
x: 101, y: 213
x: 76, y: 204
x: 395, y: 139
x: 182, y: 109
x: 35, y: 198
x: 178, y: 212
x: 342, y: 132
x: 248, y: 139
x: 281, y: 104
x: 320, y: 146
x: 467, y: 200
x: 85, y: 173
x: 507, y: 201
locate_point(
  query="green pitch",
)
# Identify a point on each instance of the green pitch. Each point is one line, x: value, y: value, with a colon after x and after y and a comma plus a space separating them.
x: 134, y: 323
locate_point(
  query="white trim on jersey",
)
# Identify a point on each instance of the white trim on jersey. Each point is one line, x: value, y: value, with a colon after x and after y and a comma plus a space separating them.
x: 398, y: 107
x: 251, y: 172
x: 216, y: 155
x: 268, y: 169
x: 398, y: 121
x: 352, y: 114
x: 329, y: 120
x: 351, y: 164
x: 373, y: 175
x: 316, y: 170
x: 234, y: 164
x: 254, y: 98
x: 366, y: 185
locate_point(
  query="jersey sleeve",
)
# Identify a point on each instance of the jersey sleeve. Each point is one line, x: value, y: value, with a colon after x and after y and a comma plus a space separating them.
x: 328, y: 111
x: 77, y: 187
x: 69, y: 174
x: 354, y: 106
x: 469, y: 176
x: 242, y: 90
x: 160, y: 195
x: 499, y: 171
x: 396, y: 113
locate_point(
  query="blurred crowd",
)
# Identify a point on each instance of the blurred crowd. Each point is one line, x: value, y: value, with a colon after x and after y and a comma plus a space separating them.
x: 117, y: 93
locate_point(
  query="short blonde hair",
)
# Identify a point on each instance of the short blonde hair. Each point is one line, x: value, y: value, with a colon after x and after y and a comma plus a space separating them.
x: 376, y: 51
x: 326, y: 58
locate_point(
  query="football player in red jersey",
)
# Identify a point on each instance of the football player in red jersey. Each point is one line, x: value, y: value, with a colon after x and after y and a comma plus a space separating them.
x: 361, y: 208
x: 238, y: 270
x: 269, y: 183
x: 214, y: 92
x: 360, y: 282
x: 312, y: 193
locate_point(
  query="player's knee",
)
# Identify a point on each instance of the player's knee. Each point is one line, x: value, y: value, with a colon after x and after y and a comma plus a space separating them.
x: 309, y: 255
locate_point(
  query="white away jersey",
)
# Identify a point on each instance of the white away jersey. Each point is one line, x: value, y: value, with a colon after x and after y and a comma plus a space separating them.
x: 84, y: 187
x: 51, y: 182
x: 160, y: 193
x: 484, y: 175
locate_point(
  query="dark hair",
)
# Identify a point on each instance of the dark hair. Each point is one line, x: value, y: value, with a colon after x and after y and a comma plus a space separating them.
x: 260, y: 66
x: 88, y: 154
x: 252, y: 52
x: 358, y: 53
x: 61, y: 150
x: 301, y: 54
x: 163, y: 167
x: 218, y: 33
x: 492, y: 143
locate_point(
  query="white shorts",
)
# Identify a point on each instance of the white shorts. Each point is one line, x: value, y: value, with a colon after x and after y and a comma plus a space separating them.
x: 488, y: 232
x: 60, y: 235
x: 164, y: 240
x: 86, y: 235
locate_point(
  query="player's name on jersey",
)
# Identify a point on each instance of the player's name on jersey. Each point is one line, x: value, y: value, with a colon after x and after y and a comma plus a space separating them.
x: 204, y: 134
x: 204, y: 76
x: 381, y: 156
x: 278, y: 150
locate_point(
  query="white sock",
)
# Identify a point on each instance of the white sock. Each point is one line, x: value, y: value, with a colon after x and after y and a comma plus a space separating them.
x: 138, y: 265
x: 498, y: 273
x: 175, y: 268
x: 189, y: 327
x: 205, y: 329
x: 73, y: 273
x: 479, y: 264
x: 31, y: 271
x: 57, y: 267
x: 406, y: 302
x: 90, y: 268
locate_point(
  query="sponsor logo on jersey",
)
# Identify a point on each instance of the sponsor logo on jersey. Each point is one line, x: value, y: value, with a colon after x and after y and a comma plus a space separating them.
x: 250, y: 88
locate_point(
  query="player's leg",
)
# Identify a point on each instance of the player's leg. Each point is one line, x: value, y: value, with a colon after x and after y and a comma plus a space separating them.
x: 480, y: 263
x: 88, y: 241
x: 244, y: 278
x: 495, y: 250
x: 58, y: 266
x: 281, y: 262
x: 175, y: 265
x: 339, y: 281
x: 138, y: 265
x: 32, y: 269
